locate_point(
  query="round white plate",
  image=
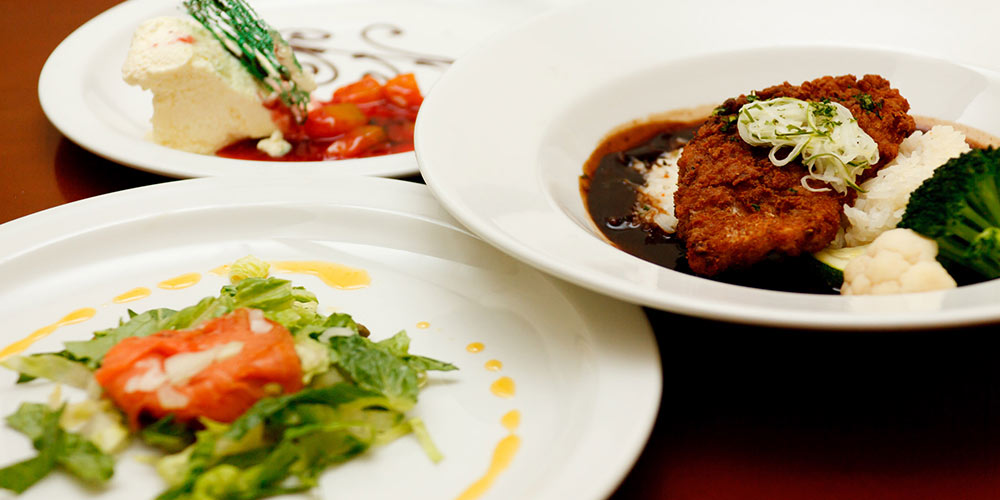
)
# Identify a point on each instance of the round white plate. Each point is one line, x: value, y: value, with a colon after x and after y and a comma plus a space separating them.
x: 82, y: 92
x: 510, y: 172
x: 585, y: 366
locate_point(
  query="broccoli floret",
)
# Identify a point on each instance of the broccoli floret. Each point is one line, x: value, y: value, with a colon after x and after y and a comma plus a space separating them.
x: 959, y: 207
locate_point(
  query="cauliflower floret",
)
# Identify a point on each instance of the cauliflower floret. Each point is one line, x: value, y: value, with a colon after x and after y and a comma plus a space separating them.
x: 898, y: 261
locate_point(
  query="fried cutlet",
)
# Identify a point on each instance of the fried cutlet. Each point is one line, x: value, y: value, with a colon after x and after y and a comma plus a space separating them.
x: 735, y: 208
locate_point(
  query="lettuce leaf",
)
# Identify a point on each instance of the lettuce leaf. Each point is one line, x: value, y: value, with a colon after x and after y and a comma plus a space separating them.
x: 399, y: 345
x: 360, y: 391
x: 272, y: 295
x: 53, y: 367
x: 91, y: 352
x: 97, y: 420
x: 248, y: 267
x: 289, y: 437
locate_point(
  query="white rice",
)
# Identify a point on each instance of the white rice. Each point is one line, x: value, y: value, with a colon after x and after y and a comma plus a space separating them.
x: 656, y: 204
x: 880, y: 207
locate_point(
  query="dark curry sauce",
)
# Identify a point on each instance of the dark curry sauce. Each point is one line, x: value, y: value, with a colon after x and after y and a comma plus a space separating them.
x: 610, y: 189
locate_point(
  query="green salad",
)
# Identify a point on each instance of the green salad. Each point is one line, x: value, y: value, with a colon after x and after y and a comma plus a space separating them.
x: 350, y: 393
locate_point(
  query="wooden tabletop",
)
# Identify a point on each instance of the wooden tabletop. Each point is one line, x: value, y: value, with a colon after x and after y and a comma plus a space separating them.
x: 746, y: 413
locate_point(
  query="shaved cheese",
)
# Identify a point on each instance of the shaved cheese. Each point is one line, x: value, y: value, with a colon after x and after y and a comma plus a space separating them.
x: 152, y: 378
x: 257, y: 322
x: 171, y: 398
x: 180, y: 368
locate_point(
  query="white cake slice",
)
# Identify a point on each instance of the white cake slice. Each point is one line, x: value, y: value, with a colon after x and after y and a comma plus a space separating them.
x: 203, y: 99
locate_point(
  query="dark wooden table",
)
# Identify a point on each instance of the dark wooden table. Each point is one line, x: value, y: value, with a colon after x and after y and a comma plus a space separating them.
x: 747, y: 412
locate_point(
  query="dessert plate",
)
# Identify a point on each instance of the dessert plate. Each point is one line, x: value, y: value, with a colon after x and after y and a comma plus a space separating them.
x: 510, y: 173
x: 583, y: 369
x: 82, y: 92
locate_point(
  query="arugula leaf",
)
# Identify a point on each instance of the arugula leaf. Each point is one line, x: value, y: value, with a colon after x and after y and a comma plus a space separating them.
x: 377, y: 369
x: 32, y: 420
x: 22, y: 475
x: 384, y: 366
x: 56, y: 447
x: 167, y: 434
x: 424, y: 364
x: 399, y: 345
x: 84, y: 460
x: 42, y: 427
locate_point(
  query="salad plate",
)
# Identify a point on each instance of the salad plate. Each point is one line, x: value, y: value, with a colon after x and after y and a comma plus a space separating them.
x: 82, y: 92
x: 582, y: 370
x: 515, y: 180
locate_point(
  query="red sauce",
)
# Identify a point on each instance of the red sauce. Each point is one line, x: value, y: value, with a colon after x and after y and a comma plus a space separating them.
x: 363, y: 119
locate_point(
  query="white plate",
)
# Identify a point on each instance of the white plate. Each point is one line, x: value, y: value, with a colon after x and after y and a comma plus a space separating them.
x: 510, y: 171
x: 586, y: 367
x: 82, y: 92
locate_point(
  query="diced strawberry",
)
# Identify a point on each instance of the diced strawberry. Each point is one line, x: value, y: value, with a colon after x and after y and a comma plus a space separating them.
x: 356, y: 142
x: 400, y: 131
x: 368, y: 89
x: 403, y: 91
x: 331, y: 120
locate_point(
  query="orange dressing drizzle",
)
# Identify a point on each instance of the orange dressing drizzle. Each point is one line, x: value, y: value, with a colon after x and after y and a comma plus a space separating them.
x: 77, y: 316
x: 511, y: 420
x: 334, y: 275
x: 502, y: 456
x: 423, y: 324
x: 505, y: 450
x: 503, y: 387
x: 182, y: 281
x: 132, y: 295
x: 222, y: 270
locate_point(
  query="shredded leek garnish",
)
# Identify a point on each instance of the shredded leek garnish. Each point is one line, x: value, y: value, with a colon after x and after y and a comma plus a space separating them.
x: 825, y: 134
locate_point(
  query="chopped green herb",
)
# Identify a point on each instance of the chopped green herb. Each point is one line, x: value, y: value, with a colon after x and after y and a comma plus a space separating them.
x: 868, y: 104
x: 823, y: 108
x: 727, y: 122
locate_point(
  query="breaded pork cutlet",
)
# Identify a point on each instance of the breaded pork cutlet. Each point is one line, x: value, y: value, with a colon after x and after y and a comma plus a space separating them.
x: 734, y: 207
